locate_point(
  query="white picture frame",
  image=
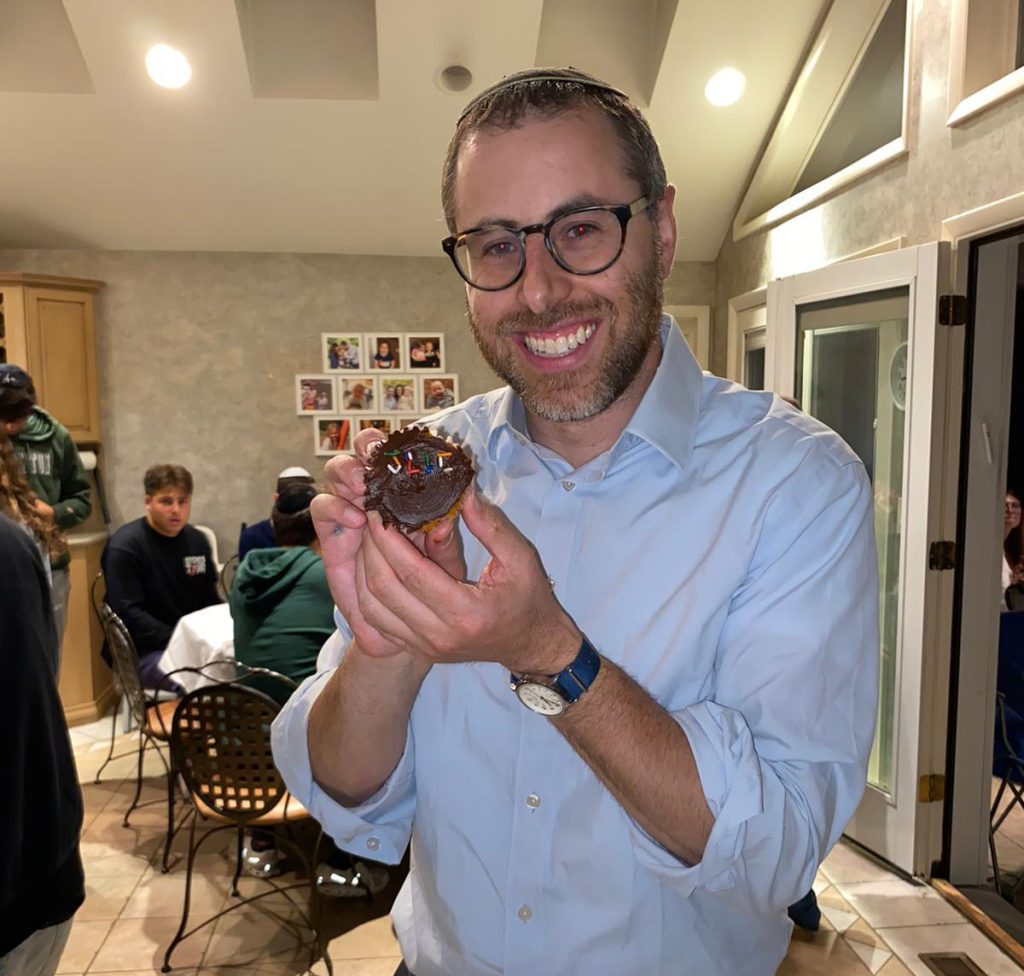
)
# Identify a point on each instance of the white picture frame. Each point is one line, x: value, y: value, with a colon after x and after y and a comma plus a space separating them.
x: 323, y: 433
x: 315, y: 393
x: 343, y: 352
x: 358, y: 394
x: 424, y: 352
x: 374, y: 352
x: 404, y: 386
x: 426, y: 387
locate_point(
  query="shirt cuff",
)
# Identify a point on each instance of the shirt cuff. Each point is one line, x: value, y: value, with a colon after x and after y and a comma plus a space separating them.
x: 730, y: 775
x: 379, y: 828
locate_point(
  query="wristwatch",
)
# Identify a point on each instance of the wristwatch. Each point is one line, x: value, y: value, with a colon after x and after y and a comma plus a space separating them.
x: 552, y: 694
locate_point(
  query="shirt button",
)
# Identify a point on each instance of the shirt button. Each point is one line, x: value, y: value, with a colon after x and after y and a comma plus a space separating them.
x: 373, y: 844
x: 525, y: 914
x: 533, y: 801
x: 568, y: 485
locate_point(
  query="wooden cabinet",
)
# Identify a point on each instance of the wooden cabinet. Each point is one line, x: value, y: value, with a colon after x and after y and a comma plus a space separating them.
x: 86, y: 684
x: 46, y: 327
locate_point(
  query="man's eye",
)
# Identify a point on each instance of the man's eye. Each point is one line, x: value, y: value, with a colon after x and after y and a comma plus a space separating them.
x: 500, y: 249
x: 580, y: 229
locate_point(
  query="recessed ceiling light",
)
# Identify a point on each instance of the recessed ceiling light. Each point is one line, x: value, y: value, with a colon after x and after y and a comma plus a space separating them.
x: 167, y: 66
x: 454, y: 78
x: 725, y: 87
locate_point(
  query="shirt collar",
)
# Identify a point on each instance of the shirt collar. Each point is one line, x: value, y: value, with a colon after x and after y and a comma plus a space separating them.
x: 666, y: 417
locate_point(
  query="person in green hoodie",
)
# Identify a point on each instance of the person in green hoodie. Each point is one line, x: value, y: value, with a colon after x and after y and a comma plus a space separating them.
x: 54, y: 471
x: 282, y: 608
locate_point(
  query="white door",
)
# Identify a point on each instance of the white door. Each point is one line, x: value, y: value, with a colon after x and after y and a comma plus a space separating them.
x: 857, y: 345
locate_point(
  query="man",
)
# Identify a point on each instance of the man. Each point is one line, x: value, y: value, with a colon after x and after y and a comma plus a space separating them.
x: 260, y: 535
x: 283, y: 612
x: 54, y: 471
x: 158, y: 568
x: 41, y: 879
x: 438, y: 397
x: 680, y: 584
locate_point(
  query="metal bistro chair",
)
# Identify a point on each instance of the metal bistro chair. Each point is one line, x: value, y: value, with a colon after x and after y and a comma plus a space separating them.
x: 220, y: 741
x: 227, y: 577
x: 152, y: 717
x: 1008, y: 764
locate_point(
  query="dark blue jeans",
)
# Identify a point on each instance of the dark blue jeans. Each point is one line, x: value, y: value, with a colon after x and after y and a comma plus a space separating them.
x: 402, y: 971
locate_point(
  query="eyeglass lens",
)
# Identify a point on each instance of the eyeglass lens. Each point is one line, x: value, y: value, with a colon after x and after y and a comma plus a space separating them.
x: 584, y: 241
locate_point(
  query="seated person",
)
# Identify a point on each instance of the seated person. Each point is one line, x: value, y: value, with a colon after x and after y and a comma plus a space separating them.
x: 158, y: 568
x: 283, y: 613
x: 260, y: 535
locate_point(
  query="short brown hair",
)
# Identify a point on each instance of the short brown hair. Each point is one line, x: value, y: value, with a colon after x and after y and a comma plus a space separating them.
x: 162, y: 476
x: 291, y: 518
x: 546, y: 93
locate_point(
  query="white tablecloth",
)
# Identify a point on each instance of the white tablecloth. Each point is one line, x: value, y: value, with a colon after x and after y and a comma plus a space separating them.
x: 204, y: 637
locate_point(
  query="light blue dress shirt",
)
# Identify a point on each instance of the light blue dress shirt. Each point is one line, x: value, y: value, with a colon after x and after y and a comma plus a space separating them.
x: 723, y: 554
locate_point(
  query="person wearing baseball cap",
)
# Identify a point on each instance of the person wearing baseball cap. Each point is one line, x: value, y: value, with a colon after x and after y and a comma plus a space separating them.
x: 260, y: 535
x: 53, y: 468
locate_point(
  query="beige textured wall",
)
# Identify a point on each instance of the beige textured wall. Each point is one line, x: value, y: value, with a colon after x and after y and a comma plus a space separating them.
x: 197, y: 354
x: 947, y: 171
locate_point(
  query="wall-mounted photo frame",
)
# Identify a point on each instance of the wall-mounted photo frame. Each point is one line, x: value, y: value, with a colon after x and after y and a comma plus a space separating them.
x: 315, y: 393
x: 342, y: 351
x: 407, y: 421
x: 384, y: 424
x: 357, y: 393
x: 437, y: 391
x: 694, y: 322
x: 385, y: 351
x: 397, y: 394
x: 425, y: 351
x: 332, y: 435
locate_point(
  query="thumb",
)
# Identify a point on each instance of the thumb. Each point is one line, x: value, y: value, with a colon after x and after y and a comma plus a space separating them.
x: 443, y: 545
x: 492, y: 528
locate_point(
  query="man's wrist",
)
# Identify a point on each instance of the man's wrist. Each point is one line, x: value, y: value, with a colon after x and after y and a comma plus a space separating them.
x: 555, y: 652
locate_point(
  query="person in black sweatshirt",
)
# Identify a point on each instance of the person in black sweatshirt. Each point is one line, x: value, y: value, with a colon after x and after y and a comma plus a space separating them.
x: 41, y: 878
x: 158, y: 568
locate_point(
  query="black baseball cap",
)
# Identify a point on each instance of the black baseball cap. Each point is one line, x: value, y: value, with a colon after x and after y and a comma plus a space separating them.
x: 295, y: 499
x: 17, y: 393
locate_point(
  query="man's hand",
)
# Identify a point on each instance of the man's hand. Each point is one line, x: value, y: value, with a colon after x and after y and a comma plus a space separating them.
x: 340, y: 523
x: 45, y: 510
x: 510, y: 615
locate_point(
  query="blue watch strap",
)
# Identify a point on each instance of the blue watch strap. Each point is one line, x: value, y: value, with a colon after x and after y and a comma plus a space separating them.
x: 572, y: 681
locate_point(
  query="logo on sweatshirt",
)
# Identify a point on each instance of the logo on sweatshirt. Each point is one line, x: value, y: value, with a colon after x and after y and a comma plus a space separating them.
x: 36, y: 462
x: 195, y: 565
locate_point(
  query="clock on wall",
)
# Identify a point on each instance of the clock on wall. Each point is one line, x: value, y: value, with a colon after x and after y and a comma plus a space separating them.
x: 898, y: 377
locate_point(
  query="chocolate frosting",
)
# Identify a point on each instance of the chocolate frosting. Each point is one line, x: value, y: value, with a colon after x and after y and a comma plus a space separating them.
x: 415, y: 478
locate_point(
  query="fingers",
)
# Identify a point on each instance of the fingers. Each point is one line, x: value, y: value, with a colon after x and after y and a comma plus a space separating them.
x: 344, y: 476
x: 367, y: 441
x: 443, y: 544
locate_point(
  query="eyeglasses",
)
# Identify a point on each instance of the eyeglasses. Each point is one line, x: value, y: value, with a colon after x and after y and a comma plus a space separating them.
x: 583, y: 242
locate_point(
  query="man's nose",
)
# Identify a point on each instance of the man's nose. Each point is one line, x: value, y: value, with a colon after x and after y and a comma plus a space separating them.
x: 544, y: 284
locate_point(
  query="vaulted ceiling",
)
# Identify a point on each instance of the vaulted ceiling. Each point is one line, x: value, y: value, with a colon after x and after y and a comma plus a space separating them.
x: 319, y: 125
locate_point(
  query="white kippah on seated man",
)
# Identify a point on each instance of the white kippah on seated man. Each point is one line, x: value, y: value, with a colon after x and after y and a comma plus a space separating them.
x: 260, y: 535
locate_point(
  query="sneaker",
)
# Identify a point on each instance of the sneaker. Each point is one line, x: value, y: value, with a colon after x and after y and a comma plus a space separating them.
x: 261, y: 864
x: 352, y: 882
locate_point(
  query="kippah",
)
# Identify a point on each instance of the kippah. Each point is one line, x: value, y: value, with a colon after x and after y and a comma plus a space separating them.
x: 295, y: 472
x: 295, y: 498
x: 571, y: 75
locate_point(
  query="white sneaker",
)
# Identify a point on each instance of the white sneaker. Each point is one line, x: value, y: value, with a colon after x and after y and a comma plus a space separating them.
x: 261, y: 864
x: 353, y: 882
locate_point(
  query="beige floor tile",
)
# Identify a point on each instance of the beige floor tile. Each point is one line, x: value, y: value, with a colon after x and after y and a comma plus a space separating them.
x: 894, y: 967
x: 82, y: 945
x: 367, y: 941
x: 296, y: 898
x: 138, y: 943
x: 102, y: 860
x: 845, y: 864
x: 836, y: 909
x: 105, y: 897
x: 883, y: 904
x: 163, y: 895
x: 380, y: 966
x: 869, y: 947
x: 820, y: 882
x: 244, y: 939
x: 821, y: 953
x: 908, y: 942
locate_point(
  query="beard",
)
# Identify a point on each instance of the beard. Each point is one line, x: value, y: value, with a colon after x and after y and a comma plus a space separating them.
x: 576, y: 394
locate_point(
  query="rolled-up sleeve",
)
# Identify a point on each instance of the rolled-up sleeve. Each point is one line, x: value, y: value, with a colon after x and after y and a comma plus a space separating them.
x: 379, y: 828
x: 782, y: 744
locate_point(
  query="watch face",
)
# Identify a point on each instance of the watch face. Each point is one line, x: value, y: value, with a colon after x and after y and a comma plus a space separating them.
x: 540, y: 698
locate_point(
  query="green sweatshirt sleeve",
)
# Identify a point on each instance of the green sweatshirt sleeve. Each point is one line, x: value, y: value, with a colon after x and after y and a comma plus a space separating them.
x: 74, y: 505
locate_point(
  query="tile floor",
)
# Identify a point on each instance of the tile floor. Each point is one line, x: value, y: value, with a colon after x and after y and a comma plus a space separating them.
x: 872, y: 921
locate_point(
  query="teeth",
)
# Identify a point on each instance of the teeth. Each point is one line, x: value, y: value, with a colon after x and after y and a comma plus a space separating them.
x: 556, y: 347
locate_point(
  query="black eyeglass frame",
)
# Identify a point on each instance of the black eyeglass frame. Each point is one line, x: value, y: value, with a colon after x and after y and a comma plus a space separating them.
x: 624, y: 212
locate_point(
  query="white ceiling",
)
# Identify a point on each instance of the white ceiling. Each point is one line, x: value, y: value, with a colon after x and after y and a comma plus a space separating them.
x: 339, y: 149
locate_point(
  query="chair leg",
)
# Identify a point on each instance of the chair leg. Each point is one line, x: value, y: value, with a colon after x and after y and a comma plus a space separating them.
x: 166, y: 968
x: 170, y: 816
x: 319, y: 948
x: 138, y: 779
x: 113, y: 739
x: 238, y: 862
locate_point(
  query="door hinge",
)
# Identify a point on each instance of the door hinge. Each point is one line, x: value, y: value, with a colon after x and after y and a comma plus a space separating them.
x: 942, y: 555
x: 931, y: 788
x: 952, y: 310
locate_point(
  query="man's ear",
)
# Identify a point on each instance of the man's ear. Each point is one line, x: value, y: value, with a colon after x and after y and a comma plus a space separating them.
x: 665, y: 228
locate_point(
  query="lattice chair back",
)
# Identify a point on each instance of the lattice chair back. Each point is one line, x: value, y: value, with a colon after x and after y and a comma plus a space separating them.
x: 220, y: 738
x: 97, y: 594
x: 126, y: 662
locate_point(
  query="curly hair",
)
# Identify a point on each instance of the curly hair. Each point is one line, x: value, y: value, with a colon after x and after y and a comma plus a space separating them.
x: 18, y: 500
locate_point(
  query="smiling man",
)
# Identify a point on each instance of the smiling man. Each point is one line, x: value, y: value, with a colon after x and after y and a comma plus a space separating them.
x: 158, y: 568
x: 623, y: 707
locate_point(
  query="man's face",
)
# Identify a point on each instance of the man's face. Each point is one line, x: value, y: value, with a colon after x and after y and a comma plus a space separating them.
x: 14, y: 427
x: 168, y: 510
x: 528, y: 175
